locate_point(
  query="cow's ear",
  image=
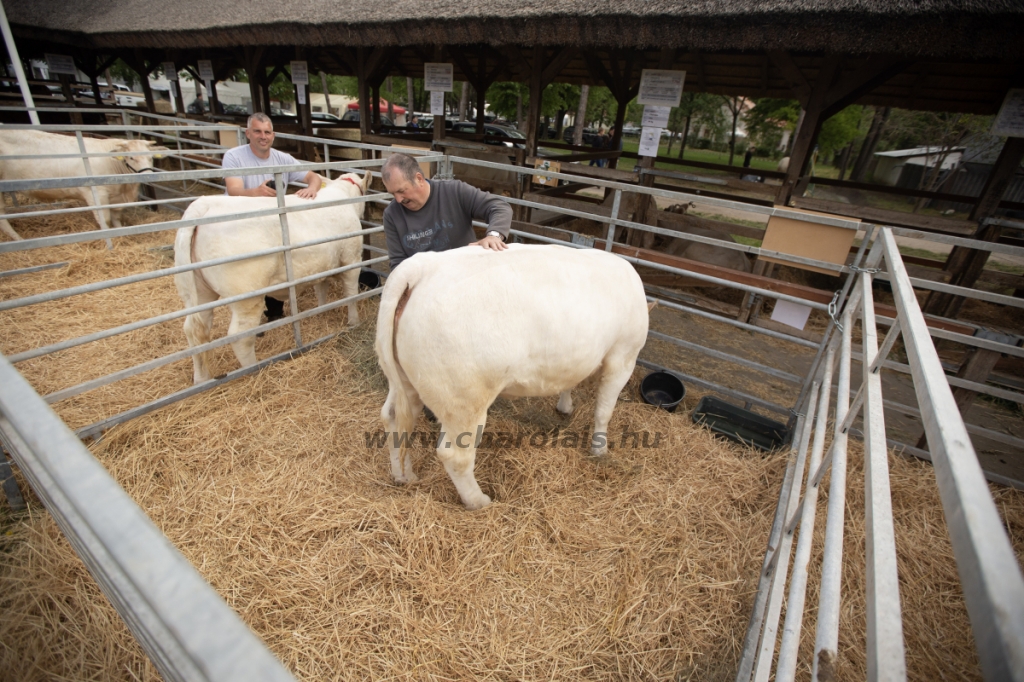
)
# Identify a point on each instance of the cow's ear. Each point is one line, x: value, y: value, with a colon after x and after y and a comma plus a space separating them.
x: 367, y: 178
x: 120, y: 147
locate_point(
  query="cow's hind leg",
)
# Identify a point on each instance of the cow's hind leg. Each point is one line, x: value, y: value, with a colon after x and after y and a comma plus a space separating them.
x: 457, y: 452
x: 399, y: 415
x: 197, y: 331
x: 614, y: 375
x: 5, y: 226
x: 245, y: 315
x: 350, y: 284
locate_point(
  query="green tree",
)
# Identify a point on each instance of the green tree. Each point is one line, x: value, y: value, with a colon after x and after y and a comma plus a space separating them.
x: 839, y: 130
x: 768, y: 119
x: 504, y: 96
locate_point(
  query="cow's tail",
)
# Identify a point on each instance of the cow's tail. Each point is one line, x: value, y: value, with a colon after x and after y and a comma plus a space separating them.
x: 189, y: 283
x: 400, y: 283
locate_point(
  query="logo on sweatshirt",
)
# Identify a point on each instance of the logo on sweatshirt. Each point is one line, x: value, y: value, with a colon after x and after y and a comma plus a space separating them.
x: 435, y: 238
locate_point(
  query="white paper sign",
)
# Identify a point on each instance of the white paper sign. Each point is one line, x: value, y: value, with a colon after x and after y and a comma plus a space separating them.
x: 661, y: 87
x: 209, y: 92
x: 61, y: 63
x: 174, y: 89
x: 300, y: 73
x: 170, y: 73
x: 655, y: 117
x: 650, y: 138
x: 438, y: 77
x: 302, y: 93
x: 437, y: 103
x: 1010, y: 119
x: 205, y: 70
x: 792, y: 314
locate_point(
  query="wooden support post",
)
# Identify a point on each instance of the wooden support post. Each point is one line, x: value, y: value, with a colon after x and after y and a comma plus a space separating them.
x: 140, y: 67
x: 808, y: 132
x: 327, y: 91
x: 69, y: 96
x: 438, y: 119
x: 305, y: 114
x: 965, y: 265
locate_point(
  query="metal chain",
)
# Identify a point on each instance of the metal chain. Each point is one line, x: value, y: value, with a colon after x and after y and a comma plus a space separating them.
x: 867, y: 271
x: 832, y: 310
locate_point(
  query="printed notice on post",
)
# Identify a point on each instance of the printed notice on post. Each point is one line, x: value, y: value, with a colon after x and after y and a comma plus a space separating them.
x: 205, y: 70
x: 61, y: 63
x: 300, y: 73
x: 650, y: 138
x: 661, y: 87
x: 1010, y: 119
x: 438, y: 77
x: 655, y: 117
x: 436, y: 103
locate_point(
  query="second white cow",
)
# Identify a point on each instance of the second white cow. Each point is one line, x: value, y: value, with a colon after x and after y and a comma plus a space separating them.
x: 34, y: 142
x: 219, y: 240
x: 459, y: 328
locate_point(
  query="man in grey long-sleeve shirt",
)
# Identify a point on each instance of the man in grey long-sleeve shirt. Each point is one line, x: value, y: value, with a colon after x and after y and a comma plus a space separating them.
x: 437, y: 215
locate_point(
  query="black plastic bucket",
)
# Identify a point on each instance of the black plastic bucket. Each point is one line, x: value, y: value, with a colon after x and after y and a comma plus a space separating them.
x: 368, y: 279
x: 663, y: 390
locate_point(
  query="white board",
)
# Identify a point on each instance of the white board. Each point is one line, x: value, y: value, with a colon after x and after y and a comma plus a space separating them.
x: 655, y: 117
x: 170, y: 72
x: 438, y: 77
x: 1010, y: 119
x: 61, y: 63
x: 661, y: 87
x: 300, y: 74
x: 205, y: 70
x: 437, y: 103
x: 301, y: 92
x: 792, y: 314
x: 650, y: 139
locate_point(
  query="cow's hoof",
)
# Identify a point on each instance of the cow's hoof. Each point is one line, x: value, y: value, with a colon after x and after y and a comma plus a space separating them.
x: 480, y: 503
x: 406, y: 479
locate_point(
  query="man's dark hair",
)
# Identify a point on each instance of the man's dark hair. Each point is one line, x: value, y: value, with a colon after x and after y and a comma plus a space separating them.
x: 400, y: 163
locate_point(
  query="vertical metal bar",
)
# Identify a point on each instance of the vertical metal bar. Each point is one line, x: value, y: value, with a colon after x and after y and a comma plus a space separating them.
x: 826, y: 643
x: 239, y: 137
x: 126, y: 122
x: 19, y: 70
x: 181, y: 159
x: 95, y: 195
x: 885, y: 655
x: 989, y: 573
x: 781, y: 558
x: 327, y: 159
x: 790, y: 646
x: 616, y: 202
x: 753, y: 636
x: 279, y: 182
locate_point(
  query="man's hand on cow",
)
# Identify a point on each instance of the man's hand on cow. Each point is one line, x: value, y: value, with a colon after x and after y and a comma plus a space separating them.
x: 264, y: 191
x: 308, y: 192
x: 493, y: 243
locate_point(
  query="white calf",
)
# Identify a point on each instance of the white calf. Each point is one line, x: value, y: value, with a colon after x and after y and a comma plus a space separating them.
x: 219, y: 240
x: 478, y: 324
x: 22, y: 142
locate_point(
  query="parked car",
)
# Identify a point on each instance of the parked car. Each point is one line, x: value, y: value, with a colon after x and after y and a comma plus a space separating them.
x: 630, y: 129
x: 510, y: 136
x: 590, y: 135
x: 353, y: 115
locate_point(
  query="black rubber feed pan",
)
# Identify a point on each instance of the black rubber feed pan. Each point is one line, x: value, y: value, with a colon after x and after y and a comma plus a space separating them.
x: 663, y: 390
x: 740, y: 425
x: 368, y: 279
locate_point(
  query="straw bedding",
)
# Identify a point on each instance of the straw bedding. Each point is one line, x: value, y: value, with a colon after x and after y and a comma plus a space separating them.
x: 639, y: 567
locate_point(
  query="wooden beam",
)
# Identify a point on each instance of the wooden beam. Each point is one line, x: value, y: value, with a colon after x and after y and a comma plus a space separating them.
x: 791, y: 72
x: 851, y: 87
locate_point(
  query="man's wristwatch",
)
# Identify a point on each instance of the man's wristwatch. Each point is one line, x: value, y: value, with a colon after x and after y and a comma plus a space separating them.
x: 494, y: 233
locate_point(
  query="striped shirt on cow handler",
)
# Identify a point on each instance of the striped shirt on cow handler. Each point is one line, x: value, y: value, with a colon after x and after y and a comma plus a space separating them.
x: 437, y: 215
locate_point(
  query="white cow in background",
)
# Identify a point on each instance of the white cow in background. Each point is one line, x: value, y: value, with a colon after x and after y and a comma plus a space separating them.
x: 459, y: 328
x: 22, y: 142
x: 220, y: 240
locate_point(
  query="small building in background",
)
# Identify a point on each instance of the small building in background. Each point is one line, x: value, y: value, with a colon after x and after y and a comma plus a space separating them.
x: 904, y: 167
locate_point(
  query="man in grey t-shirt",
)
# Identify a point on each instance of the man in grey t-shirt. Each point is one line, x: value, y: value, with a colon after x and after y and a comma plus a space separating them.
x: 260, y: 152
x: 437, y: 215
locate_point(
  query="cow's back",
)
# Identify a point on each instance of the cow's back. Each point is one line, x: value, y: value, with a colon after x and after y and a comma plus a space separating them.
x: 531, y: 320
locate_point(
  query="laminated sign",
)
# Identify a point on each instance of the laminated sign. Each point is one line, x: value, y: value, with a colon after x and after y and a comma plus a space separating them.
x: 300, y: 73
x: 438, y: 77
x: 61, y: 63
x: 661, y: 87
x: 655, y: 117
x: 650, y: 139
x: 437, y: 103
x: 205, y: 70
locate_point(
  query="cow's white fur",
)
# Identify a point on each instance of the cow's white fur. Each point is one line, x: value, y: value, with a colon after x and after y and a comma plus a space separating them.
x: 478, y: 324
x: 219, y: 240
x: 18, y: 142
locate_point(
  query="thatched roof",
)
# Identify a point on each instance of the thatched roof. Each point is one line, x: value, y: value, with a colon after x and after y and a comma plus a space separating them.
x: 963, y: 29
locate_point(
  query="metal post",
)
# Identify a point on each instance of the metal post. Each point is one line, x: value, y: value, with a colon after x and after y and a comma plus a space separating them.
x: 181, y: 159
x: 12, y: 51
x: 125, y: 121
x: 886, y: 657
x: 327, y: 154
x: 616, y: 202
x: 279, y: 181
x: 95, y: 194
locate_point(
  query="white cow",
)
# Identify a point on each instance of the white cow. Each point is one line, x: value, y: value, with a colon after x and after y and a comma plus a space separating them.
x: 21, y: 142
x: 220, y: 240
x: 783, y: 165
x: 459, y: 328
